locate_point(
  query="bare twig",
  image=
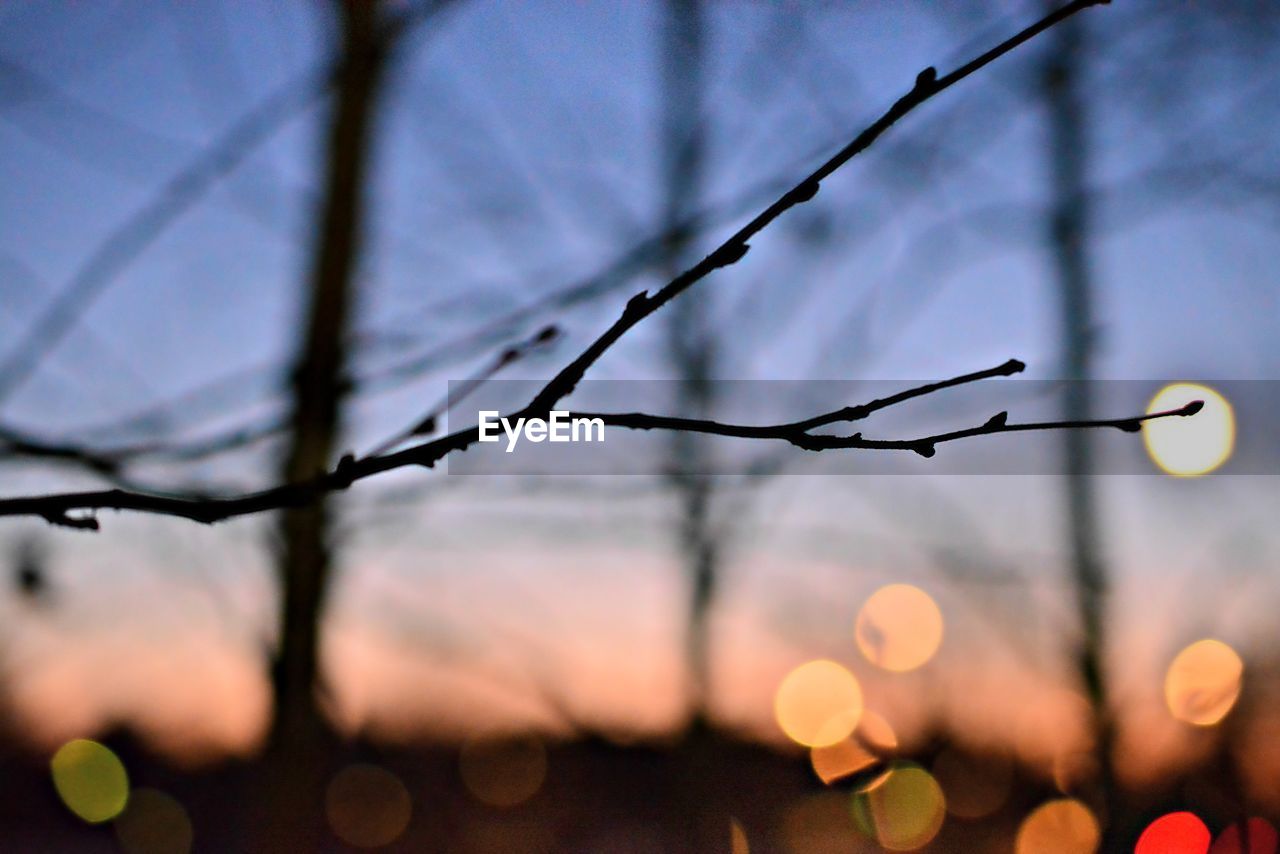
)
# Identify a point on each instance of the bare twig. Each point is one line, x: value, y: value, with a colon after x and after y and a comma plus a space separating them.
x: 15, y: 443
x: 730, y: 252
x: 58, y: 509
x: 110, y: 460
x: 426, y: 424
x: 18, y: 443
x: 925, y: 446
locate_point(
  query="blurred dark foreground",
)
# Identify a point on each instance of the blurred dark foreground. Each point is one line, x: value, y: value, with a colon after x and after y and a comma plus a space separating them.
x: 707, y: 793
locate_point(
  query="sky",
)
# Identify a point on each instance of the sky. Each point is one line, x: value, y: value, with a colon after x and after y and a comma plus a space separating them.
x: 517, y: 153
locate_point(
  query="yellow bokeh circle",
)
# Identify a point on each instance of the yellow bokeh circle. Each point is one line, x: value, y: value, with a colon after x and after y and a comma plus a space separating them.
x: 1203, y: 682
x: 1195, y: 444
x: 902, y: 811
x: 818, y: 704
x: 899, y: 628
x: 90, y: 780
x: 1063, y: 826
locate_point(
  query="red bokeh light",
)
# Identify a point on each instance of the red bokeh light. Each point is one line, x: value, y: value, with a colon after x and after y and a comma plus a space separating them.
x: 1262, y: 838
x: 1175, y: 833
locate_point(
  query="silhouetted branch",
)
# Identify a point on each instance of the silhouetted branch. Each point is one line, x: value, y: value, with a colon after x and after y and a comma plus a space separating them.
x: 109, y: 460
x: 18, y: 443
x: 426, y: 424
x: 730, y: 252
x: 14, y: 443
x: 857, y: 413
x: 924, y: 445
x: 58, y: 509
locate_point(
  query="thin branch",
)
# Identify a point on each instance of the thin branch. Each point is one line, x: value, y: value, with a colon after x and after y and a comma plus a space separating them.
x: 110, y: 460
x: 109, y: 464
x: 14, y: 443
x: 426, y: 424
x: 924, y: 445
x: 59, y: 509
x: 857, y: 413
x: 17, y: 443
x: 733, y: 250
x: 99, y: 458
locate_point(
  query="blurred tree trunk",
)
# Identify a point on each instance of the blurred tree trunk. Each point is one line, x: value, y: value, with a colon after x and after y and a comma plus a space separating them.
x: 299, y: 735
x: 690, y: 342
x: 699, y: 822
x: 1069, y: 234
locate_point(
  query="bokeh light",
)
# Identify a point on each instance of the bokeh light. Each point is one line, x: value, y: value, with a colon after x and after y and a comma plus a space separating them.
x: 819, y: 824
x: 975, y: 787
x: 154, y: 823
x: 818, y: 704
x: 1203, y: 682
x: 904, y: 810
x: 367, y: 806
x: 1064, y: 826
x: 1175, y: 833
x: 899, y: 628
x: 1195, y: 445
x: 1256, y: 836
x: 505, y: 771
x: 871, y: 740
x: 832, y: 762
x: 876, y: 732
x: 738, y: 838
x: 90, y: 779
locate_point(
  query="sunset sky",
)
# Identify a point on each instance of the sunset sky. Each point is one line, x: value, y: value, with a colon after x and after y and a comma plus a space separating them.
x: 516, y: 156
